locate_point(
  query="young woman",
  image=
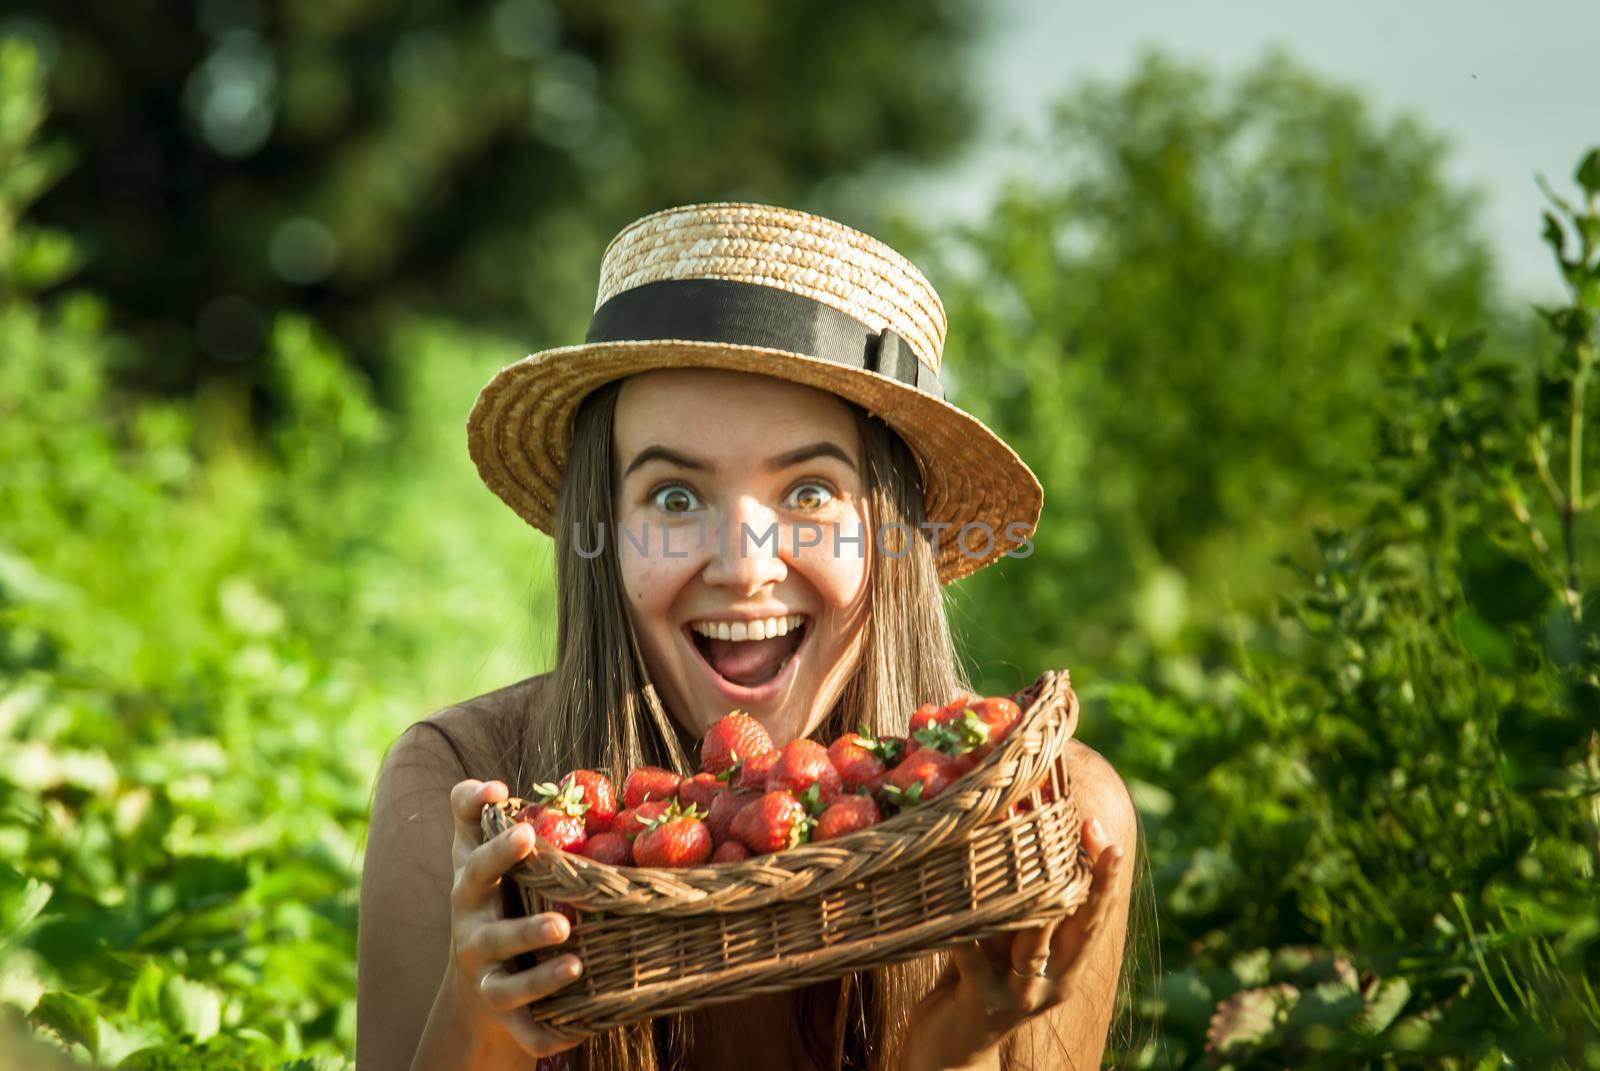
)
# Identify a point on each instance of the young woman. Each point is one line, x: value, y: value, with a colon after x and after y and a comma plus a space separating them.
x: 754, y: 431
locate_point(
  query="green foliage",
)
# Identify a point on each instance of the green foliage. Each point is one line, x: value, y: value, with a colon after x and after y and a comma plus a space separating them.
x: 348, y: 160
x: 1413, y: 793
x: 1178, y: 318
x: 206, y: 642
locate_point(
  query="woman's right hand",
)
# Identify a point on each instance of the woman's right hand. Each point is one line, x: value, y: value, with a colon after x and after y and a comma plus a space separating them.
x: 489, y: 993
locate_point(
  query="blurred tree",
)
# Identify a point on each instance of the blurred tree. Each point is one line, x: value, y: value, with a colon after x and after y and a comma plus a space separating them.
x: 242, y: 157
x: 1179, y: 320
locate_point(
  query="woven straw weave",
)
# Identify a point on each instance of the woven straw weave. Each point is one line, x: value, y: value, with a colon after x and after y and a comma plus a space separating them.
x: 794, y: 251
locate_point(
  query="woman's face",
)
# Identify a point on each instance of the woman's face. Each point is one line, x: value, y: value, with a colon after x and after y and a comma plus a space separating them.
x: 743, y: 536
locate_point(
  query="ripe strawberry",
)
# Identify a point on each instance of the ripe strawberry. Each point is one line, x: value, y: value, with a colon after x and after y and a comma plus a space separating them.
x: 999, y: 716
x: 559, y: 827
x: 848, y: 815
x: 630, y: 822
x: 921, y: 775
x: 649, y: 783
x: 804, y: 763
x: 955, y: 734
x: 730, y: 851
x: 723, y: 810
x: 675, y: 838
x: 700, y: 790
x: 853, y: 755
x: 600, y: 798
x: 752, y: 772
x: 611, y: 847
x: 735, y: 737
x: 959, y: 702
x: 929, y: 714
x: 556, y: 813
x: 772, y: 823
x: 926, y: 715
x: 566, y: 797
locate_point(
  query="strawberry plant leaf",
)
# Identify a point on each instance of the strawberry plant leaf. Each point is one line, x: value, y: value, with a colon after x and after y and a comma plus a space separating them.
x: 70, y: 1016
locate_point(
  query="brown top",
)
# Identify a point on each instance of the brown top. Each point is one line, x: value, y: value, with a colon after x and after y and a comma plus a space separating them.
x: 404, y: 930
x: 464, y: 727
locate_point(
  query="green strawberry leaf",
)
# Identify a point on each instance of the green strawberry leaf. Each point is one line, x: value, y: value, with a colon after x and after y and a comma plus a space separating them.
x: 675, y: 809
x: 811, y: 799
x: 901, y: 798
x: 955, y: 737
x: 890, y: 751
x: 72, y: 1018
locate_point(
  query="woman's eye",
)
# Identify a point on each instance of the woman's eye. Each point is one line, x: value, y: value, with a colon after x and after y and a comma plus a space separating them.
x: 675, y: 498
x: 810, y: 496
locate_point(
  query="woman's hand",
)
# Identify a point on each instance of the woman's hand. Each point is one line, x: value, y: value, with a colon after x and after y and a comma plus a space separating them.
x: 1002, y: 982
x: 487, y: 992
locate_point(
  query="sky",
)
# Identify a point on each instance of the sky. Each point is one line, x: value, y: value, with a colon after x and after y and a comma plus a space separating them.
x: 1514, y: 87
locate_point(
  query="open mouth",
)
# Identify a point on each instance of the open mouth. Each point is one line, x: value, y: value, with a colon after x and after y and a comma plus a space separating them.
x: 748, y: 662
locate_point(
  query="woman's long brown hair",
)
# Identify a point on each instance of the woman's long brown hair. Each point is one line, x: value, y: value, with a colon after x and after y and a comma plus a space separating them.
x: 600, y: 711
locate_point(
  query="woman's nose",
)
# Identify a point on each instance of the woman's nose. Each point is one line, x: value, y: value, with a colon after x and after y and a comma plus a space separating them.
x: 748, y: 555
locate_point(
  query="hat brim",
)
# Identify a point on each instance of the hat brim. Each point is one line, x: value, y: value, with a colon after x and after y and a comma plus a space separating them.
x: 520, y: 430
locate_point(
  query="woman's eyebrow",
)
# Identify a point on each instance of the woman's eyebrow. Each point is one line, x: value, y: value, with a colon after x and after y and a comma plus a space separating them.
x: 806, y: 453
x: 775, y: 464
x: 662, y: 453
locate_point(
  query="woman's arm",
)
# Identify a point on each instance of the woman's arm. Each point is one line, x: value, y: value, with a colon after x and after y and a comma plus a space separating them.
x: 1059, y: 1021
x: 1073, y: 1034
x: 408, y: 1012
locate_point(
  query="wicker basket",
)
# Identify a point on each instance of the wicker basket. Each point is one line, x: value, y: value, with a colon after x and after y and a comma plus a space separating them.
x: 655, y: 941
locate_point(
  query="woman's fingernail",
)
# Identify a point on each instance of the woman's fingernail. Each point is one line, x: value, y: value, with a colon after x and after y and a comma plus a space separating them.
x: 522, y: 836
x: 1099, y: 830
x: 570, y: 968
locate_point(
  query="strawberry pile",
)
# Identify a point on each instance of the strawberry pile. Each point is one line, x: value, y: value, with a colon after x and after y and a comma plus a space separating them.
x: 751, y: 798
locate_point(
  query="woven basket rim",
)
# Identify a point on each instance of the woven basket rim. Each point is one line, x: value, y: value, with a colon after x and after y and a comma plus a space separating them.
x: 705, y: 888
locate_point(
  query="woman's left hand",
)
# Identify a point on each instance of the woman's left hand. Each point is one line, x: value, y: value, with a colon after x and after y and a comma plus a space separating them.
x: 1001, y: 982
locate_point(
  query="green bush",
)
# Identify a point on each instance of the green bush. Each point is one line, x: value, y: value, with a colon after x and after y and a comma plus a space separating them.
x: 1178, y: 315
x: 206, y: 642
x: 1382, y: 850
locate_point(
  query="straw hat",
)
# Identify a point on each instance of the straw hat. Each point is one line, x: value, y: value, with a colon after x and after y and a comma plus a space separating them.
x: 756, y: 288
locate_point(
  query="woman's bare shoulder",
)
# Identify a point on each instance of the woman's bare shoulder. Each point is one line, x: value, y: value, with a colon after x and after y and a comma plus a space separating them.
x: 1103, y: 794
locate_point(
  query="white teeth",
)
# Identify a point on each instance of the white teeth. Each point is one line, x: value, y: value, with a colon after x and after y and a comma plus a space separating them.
x: 765, y: 629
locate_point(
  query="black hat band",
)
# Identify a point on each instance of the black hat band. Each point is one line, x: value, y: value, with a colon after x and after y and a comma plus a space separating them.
x: 750, y: 314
